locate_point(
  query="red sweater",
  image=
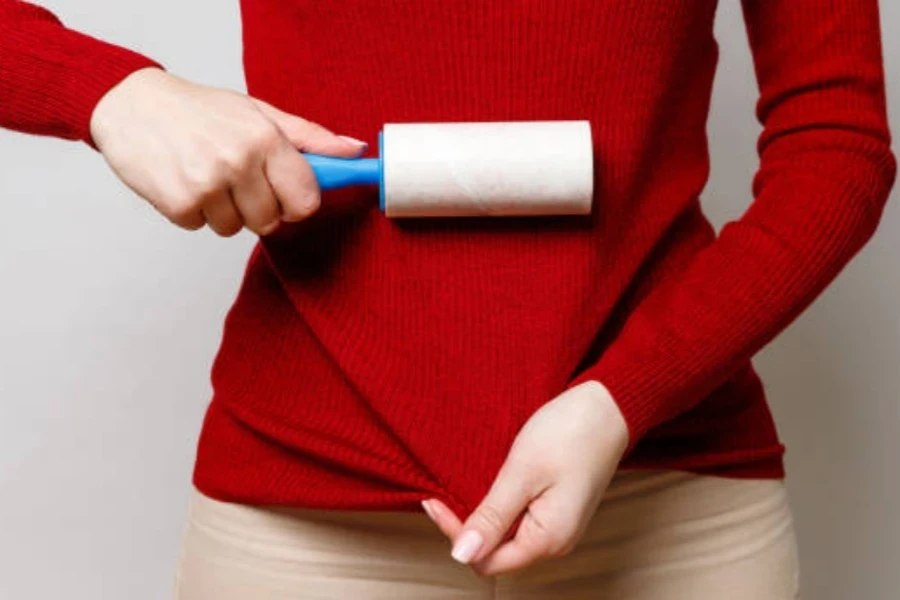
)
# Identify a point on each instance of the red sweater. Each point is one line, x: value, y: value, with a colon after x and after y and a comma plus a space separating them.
x: 369, y: 363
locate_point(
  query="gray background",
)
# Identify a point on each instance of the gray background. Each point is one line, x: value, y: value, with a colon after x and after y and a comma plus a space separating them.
x: 110, y: 318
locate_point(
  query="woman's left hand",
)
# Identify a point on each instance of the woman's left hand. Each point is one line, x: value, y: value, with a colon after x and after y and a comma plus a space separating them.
x: 556, y: 473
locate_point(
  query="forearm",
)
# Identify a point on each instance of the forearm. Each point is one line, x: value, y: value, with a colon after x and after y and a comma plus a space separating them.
x: 825, y: 172
x: 51, y: 77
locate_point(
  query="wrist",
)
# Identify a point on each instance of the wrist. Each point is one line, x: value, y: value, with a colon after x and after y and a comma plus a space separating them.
x: 113, y: 105
x: 615, y: 425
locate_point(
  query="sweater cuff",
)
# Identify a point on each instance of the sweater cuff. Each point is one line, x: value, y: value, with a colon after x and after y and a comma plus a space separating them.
x: 633, y: 388
x: 83, y: 89
x: 653, y: 377
x: 55, y: 77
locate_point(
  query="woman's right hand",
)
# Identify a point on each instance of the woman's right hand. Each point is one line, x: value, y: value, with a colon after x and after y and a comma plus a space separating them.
x: 202, y: 155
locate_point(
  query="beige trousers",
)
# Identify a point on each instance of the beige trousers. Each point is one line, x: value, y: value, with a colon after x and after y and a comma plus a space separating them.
x: 661, y: 535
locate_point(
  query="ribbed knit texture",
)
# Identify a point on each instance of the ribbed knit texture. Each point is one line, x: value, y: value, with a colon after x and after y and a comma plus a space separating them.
x: 50, y: 77
x: 370, y: 363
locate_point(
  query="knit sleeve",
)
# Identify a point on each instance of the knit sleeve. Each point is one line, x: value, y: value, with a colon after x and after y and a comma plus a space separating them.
x: 825, y: 173
x: 51, y: 77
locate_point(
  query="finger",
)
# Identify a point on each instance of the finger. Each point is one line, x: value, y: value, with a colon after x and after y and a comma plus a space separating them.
x: 489, y: 522
x: 189, y: 219
x: 524, y: 549
x: 293, y: 182
x: 443, y: 517
x: 222, y: 216
x: 307, y: 136
x: 255, y: 201
x: 549, y: 528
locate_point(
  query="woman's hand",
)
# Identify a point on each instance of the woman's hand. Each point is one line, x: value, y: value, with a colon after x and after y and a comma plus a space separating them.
x: 556, y: 472
x: 204, y: 155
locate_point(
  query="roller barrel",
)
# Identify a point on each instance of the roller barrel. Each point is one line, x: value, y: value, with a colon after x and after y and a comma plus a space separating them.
x: 487, y: 168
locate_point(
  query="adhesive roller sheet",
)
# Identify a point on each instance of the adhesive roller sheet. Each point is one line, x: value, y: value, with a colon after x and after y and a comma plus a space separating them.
x: 516, y: 168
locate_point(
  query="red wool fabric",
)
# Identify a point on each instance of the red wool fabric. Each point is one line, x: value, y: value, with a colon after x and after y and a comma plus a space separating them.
x: 369, y: 363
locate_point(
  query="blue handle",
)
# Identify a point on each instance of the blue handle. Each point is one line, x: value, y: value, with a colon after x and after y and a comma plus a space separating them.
x: 332, y: 173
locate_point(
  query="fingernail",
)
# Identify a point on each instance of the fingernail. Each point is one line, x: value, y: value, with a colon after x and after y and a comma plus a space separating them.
x: 467, y: 546
x: 428, y: 510
x: 354, y: 141
x: 311, y: 202
x: 270, y: 227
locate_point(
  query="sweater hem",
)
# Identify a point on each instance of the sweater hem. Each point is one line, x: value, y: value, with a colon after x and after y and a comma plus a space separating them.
x: 235, y: 464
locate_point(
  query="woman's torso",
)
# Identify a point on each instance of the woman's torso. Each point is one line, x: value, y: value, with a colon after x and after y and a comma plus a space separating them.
x: 407, y: 354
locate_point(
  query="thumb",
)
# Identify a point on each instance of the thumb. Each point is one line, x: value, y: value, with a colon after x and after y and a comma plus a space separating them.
x: 311, y: 137
x: 489, y: 523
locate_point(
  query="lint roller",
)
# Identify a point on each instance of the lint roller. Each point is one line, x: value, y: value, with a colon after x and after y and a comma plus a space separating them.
x: 518, y: 168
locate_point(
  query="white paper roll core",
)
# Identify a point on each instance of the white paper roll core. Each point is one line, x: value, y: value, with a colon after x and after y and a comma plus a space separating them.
x: 487, y: 168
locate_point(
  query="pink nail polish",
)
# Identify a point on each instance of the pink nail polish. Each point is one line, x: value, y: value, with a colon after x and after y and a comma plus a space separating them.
x: 428, y: 510
x: 354, y: 141
x: 467, y: 546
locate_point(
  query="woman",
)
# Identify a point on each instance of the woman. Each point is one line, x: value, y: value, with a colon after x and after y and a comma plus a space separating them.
x: 504, y: 375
